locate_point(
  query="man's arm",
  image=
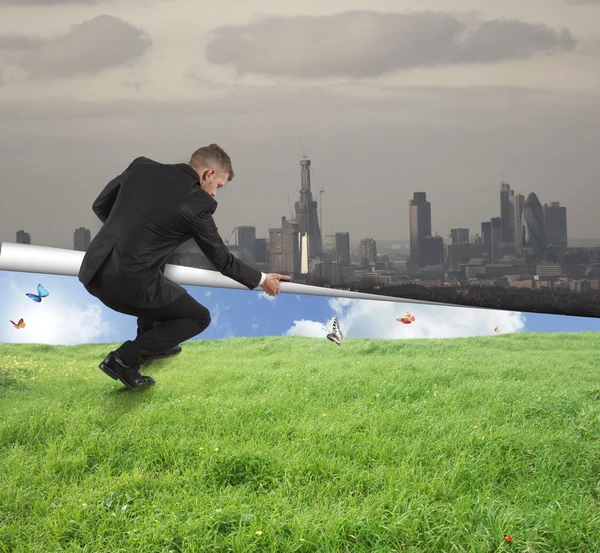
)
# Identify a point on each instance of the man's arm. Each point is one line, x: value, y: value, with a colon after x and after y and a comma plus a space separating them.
x: 206, y: 234
x: 105, y: 201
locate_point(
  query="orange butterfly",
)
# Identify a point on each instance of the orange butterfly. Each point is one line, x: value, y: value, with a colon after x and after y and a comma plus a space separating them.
x: 407, y: 319
x: 507, y: 538
x: 20, y: 324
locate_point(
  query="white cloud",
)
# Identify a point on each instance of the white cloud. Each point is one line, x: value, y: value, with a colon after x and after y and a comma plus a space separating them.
x: 265, y: 296
x: 54, y: 321
x: 377, y: 319
x: 217, y: 322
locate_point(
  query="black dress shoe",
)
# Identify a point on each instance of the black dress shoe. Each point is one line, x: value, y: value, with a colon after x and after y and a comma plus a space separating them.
x: 175, y: 350
x: 115, y: 367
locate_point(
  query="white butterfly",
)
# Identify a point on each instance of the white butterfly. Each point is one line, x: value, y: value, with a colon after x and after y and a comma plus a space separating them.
x: 335, y: 334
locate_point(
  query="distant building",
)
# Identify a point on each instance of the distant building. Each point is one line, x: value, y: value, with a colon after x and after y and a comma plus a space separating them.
x: 534, y: 226
x: 23, y: 237
x: 329, y: 271
x: 329, y: 245
x: 486, y: 237
x: 307, y: 218
x: 460, y: 235
x: 261, y: 250
x: 342, y: 248
x: 82, y: 239
x: 420, y: 224
x: 519, y: 205
x: 303, y: 246
x: 507, y: 213
x: 284, y: 248
x: 555, y: 217
x: 496, y: 236
x: 367, y: 252
x: 275, y: 250
x: 246, y: 237
x: 433, y: 250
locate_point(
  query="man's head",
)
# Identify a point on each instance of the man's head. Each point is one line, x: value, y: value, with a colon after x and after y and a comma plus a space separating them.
x: 213, y: 165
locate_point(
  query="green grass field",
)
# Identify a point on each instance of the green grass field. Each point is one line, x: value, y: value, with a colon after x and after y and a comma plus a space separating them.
x: 291, y: 444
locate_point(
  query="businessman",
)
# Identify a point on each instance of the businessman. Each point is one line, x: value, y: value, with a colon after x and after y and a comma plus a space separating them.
x: 147, y: 212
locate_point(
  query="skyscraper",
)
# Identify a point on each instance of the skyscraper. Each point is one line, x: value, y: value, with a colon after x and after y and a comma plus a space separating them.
x: 519, y: 205
x: 260, y: 250
x: 460, y: 235
x: 420, y: 225
x: 342, y: 248
x: 555, y: 217
x: 275, y: 250
x: 507, y: 213
x: 329, y: 245
x: 303, y: 248
x: 290, y: 247
x: 81, y: 239
x: 246, y: 237
x: 368, y: 251
x: 307, y: 217
x: 23, y: 237
x: 486, y: 237
x: 497, y: 233
x: 433, y: 250
x: 534, y: 226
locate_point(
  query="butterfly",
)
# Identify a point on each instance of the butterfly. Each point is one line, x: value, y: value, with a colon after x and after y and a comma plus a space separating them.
x: 335, y: 334
x: 407, y: 319
x: 20, y: 324
x: 497, y: 329
x: 41, y: 293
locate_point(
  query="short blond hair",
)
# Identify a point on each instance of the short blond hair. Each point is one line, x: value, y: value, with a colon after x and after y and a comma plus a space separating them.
x: 212, y: 155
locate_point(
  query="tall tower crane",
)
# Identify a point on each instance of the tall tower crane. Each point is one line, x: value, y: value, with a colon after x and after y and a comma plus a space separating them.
x: 304, y: 156
x: 321, y: 190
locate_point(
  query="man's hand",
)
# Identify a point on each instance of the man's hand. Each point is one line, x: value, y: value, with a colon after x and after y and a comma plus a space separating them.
x: 271, y: 283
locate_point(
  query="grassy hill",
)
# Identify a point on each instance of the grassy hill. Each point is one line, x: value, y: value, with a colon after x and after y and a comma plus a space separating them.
x: 291, y: 444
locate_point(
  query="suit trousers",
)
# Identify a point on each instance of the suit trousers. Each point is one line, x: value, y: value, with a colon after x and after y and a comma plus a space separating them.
x: 160, y: 328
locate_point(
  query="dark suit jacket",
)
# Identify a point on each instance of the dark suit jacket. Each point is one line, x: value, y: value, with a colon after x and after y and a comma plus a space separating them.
x: 148, y: 211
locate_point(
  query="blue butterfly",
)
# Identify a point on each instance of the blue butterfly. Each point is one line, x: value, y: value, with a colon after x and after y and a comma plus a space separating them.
x: 41, y: 293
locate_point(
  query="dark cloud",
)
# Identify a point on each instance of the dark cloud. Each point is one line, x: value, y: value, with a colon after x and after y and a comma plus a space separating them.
x: 194, y: 77
x: 367, y: 44
x: 18, y: 43
x: 93, y: 46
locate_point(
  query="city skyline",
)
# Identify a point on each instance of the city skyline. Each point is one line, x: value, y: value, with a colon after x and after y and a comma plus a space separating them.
x: 445, y: 233
x: 414, y: 112
x: 512, y: 234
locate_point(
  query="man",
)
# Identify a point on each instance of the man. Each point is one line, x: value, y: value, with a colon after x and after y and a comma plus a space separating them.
x: 147, y: 212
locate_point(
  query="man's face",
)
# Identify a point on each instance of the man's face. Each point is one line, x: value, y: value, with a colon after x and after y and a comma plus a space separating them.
x: 212, y: 180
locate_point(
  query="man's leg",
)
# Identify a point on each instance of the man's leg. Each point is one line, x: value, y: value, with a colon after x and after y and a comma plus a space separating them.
x: 146, y: 325
x: 176, y: 322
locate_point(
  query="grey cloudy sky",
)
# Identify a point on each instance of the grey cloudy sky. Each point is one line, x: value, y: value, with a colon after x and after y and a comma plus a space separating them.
x: 389, y: 96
